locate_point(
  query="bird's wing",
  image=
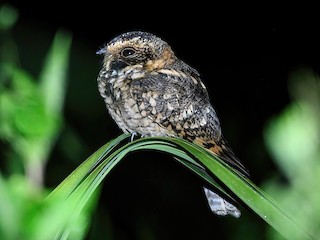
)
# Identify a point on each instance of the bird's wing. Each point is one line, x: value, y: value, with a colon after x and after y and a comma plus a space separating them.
x: 179, y: 103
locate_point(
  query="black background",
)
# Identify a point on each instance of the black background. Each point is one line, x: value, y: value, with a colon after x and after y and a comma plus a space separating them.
x: 244, y: 55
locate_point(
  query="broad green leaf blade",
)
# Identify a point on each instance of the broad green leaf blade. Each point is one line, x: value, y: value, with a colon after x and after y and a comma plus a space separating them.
x: 76, y: 190
x: 249, y: 193
x: 82, y: 183
x: 244, y: 189
x: 70, y: 183
x: 184, y: 159
x: 204, y: 175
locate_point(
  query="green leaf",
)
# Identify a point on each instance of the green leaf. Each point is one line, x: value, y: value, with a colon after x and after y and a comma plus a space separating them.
x: 53, y: 78
x: 79, y: 174
x: 88, y: 176
x: 8, y: 17
x: 293, y: 140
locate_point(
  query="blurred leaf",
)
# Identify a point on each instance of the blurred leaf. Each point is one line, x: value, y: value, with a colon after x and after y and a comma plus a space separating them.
x: 24, y: 120
x: 30, y: 121
x: 6, y: 119
x: 9, y: 217
x: 30, y: 117
x: 25, y: 215
x: 53, y: 78
x: 31, y: 113
x: 8, y: 16
x: 304, y: 86
x: 293, y: 140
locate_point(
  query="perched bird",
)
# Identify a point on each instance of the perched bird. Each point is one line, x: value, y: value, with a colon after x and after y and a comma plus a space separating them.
x: 150, y: 92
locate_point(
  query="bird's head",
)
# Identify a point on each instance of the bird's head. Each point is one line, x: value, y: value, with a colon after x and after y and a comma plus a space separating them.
x: 136, y: 49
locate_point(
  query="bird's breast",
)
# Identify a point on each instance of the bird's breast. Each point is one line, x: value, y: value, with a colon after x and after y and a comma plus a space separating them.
x: 114, y: 87
x: 114, y: 83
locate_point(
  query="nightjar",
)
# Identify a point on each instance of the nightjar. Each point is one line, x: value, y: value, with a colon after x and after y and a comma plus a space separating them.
x: 150, y: 92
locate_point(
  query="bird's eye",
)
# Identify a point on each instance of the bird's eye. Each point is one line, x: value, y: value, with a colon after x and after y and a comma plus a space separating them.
x: 128, y: 52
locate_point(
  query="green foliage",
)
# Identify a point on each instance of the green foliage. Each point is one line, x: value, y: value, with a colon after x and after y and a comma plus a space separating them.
x: 26, y: 215
x: 31, y: 112
x: 294, y: 141
x: 87, y: 177
x: 30, y: 122
x: 8, y: 17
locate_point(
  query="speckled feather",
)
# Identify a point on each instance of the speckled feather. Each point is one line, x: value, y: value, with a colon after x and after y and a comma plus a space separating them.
x: 149, y: 91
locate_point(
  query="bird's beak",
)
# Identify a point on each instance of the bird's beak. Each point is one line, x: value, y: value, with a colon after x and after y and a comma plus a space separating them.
x: 107, y: 56
x: 101, y: 51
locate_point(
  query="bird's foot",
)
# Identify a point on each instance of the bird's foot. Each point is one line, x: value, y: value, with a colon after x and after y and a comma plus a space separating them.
x: 133, y: 134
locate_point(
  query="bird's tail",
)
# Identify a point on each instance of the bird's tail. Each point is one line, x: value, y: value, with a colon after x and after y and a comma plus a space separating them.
x: 219, y: 205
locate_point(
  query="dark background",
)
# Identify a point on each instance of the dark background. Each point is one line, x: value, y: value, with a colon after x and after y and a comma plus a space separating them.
x: 244, y: 58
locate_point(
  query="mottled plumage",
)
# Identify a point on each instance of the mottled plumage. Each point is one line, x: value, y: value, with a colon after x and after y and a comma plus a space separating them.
x: 149, y: 91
